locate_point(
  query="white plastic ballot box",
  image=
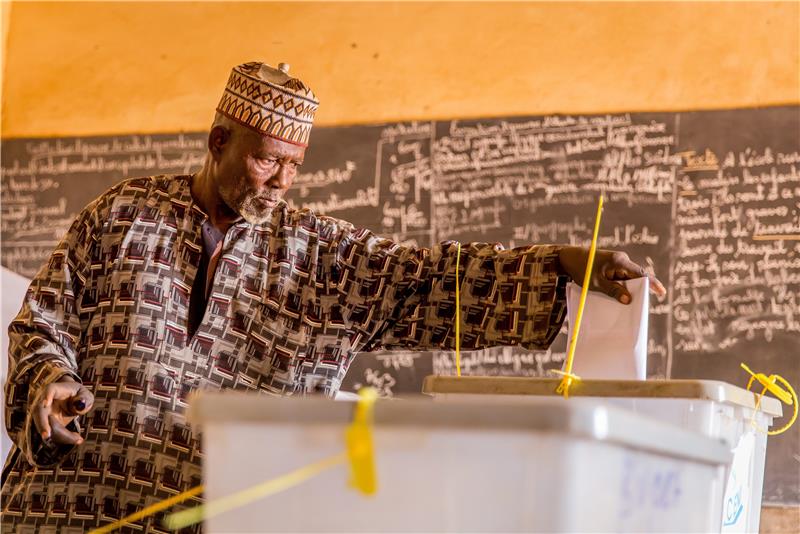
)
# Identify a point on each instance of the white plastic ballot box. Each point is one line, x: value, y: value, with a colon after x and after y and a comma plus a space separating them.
x: 712, y: 408
x: 460, y: 466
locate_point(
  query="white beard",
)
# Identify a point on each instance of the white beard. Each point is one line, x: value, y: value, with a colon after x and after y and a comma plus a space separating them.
x: 246, y: 203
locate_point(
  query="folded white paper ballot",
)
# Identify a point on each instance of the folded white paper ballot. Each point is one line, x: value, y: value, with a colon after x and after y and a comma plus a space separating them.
x: 612, y: 342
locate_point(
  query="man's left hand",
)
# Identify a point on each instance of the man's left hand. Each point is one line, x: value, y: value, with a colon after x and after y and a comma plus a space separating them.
x: 610, y: 268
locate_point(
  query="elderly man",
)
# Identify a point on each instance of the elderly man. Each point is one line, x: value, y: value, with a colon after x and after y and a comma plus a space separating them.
x: 168, y: 284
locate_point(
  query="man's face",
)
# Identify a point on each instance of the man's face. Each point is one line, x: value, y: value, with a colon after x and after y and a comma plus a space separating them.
x: 255, y: 171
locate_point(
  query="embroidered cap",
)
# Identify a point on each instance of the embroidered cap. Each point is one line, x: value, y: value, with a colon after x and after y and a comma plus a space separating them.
x: 270, y: 102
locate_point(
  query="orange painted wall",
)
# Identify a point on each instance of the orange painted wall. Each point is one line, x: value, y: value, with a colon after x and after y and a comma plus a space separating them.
x: 104, y: 68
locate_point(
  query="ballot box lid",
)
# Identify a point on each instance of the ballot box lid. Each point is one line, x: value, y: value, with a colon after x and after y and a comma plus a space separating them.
x: 587, y: 421
x: 682, y: 389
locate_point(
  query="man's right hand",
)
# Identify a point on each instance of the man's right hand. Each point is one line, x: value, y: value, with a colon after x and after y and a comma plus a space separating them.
x: 58, y: 406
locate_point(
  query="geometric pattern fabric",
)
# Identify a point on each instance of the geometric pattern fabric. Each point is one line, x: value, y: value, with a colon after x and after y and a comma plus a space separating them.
x: 291, y: 303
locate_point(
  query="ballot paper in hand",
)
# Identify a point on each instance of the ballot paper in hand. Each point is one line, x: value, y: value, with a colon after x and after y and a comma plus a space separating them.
x: 612, y: 342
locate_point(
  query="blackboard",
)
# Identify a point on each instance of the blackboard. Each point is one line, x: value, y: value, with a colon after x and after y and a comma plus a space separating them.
x: 710, y: 200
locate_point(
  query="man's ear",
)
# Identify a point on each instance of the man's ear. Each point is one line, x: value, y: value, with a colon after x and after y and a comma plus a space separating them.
x: 218, y: 137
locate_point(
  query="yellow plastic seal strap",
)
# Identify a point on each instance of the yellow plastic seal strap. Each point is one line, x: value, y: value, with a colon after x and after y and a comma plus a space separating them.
x: 567, y: 376
x: 567, y: 380
x: 360, y: 448
x: 787, y: 397
x: 458, y: 313
x: 148, y: 511
x: 190, y: 516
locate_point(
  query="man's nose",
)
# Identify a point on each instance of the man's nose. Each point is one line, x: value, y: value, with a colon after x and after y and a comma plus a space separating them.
x: 282, y: 178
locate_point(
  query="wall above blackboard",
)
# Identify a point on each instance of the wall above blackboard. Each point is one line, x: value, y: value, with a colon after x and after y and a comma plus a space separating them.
x: 709, y: 200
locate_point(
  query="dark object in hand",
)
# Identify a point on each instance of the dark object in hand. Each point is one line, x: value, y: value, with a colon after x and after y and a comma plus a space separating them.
x: 78, y: 405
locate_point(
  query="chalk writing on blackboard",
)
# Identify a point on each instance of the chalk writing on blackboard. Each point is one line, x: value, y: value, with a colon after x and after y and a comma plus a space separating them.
x: 707, y: 200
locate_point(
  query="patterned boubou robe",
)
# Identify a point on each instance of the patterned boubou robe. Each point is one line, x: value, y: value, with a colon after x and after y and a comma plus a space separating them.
x: 292, y: 301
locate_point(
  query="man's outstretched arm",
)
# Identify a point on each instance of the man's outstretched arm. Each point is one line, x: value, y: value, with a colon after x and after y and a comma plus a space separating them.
x: 403, y: 297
